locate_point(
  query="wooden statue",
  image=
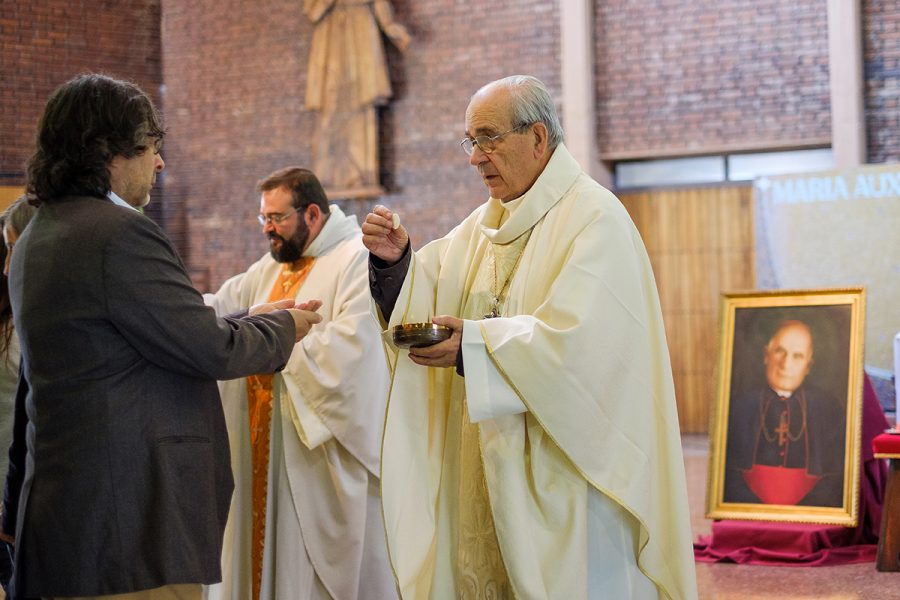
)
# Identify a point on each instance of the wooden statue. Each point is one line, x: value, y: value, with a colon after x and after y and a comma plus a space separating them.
x: 347, y: 79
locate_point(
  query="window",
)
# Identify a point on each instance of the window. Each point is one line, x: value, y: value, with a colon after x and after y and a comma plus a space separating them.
x: 671, y: 171
x: 746, y: 167
x: 719, y: 168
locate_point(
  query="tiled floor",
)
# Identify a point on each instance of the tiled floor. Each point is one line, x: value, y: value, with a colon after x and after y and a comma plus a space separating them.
x: 738, y: 582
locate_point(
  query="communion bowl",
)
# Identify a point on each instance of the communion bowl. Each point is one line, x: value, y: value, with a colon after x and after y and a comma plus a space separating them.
x: 419, y: 335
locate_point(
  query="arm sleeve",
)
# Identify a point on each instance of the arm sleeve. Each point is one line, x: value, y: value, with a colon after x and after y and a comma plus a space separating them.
x: 386, y: 280
x: 151, y: 301
x: 17, y: 451
x: 488, y: 396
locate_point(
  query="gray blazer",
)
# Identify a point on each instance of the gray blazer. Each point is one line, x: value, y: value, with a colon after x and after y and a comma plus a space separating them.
x: 127, y: 477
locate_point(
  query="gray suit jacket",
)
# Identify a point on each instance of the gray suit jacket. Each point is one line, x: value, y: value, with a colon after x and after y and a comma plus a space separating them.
x: 127, y: 477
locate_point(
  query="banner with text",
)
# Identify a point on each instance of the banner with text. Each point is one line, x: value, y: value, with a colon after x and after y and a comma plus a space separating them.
x: 836, y: 229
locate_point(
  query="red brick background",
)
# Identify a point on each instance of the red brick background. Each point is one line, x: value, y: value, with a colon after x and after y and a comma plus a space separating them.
x: 235, y: 81
x: 43, y: 44
x: 673, y: 78
x: 881, y: 49
x: 678, y: 78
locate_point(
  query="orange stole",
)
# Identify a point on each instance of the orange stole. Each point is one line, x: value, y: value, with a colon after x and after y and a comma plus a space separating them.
x: 259, y: 399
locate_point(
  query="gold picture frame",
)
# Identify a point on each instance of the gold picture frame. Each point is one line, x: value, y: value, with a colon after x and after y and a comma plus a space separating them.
x: 791, y: 454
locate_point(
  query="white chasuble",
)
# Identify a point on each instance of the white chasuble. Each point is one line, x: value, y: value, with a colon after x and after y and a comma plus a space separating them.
x: 571, y: 393
x: 324, y: 530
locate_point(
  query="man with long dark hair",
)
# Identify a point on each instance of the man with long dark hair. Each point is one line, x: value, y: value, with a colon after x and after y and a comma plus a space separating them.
x: 127, y: 477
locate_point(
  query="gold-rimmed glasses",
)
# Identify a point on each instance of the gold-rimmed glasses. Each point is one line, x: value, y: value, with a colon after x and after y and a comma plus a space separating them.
x: 487, y: 143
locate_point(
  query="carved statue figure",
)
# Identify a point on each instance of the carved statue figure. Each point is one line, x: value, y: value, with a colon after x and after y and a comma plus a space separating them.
x: 347, y: 79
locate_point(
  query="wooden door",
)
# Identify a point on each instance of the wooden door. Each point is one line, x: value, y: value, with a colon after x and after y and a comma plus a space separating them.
x: 701, y: 243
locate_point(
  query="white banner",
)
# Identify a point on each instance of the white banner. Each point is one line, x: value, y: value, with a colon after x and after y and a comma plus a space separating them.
x: 836, y: 229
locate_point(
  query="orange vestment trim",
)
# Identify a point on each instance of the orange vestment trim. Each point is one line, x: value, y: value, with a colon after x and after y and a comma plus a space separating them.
x: 259, y: 398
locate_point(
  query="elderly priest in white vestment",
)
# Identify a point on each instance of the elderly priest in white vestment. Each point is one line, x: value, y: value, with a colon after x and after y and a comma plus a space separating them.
x: 305, y: 520
x: 536, y: 452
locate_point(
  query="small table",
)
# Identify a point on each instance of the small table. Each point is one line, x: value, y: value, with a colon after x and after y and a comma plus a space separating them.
x: 887, y: 445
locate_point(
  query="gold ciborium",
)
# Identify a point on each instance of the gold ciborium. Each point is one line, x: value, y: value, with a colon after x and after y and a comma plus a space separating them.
x: 419, y: 335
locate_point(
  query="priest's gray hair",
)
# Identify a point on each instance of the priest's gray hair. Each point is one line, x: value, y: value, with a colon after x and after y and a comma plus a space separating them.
x: 531, y: 103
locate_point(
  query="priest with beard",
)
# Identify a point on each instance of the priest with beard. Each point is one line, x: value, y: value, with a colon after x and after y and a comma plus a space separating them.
x: 305, y: 518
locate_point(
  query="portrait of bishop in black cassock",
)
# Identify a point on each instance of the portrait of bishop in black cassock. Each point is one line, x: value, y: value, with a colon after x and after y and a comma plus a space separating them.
x: 786, y: 435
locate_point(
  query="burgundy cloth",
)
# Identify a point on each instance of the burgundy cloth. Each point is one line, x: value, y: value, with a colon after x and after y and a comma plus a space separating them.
x: 779, y: 485
x: 805, y: 545
x: 886, y: 443
x: 787, y: 544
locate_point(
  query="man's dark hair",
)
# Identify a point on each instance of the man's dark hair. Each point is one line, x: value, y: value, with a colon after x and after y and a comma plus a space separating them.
x: 304, y: 185
x: 87, y: 121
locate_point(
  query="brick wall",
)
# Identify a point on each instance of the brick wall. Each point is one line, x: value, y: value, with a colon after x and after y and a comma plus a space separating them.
x: 43, y: 44
x: 678, y: 77
x: 235, y: 76
x: 881, y: 48
x: 672, y: 78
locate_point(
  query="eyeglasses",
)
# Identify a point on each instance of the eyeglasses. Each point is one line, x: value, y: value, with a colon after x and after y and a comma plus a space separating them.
x: 274, y: 219
x: 487, y: 143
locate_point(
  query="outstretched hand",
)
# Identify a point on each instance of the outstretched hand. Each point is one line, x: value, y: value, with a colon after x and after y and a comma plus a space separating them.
x: 303, y: 321
x: 380, y: 237
x: 267, y: 307
x: 303, y: 313
x: 312, y: 305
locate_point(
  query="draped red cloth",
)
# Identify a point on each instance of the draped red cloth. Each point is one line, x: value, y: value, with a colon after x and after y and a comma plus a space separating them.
x: 803, y: 544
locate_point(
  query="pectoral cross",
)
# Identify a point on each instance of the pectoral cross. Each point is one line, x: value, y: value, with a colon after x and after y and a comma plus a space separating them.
x: 495, y: 311
x: 783, y: 428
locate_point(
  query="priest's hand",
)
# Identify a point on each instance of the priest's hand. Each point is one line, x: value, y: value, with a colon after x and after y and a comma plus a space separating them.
x: 442, y: 354
x: 303, y: 313
x: 382, y: 237
x: 267, y: 307
x: 312, y: 305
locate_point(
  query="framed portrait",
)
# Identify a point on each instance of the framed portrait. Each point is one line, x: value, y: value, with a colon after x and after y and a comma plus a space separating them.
x: 785, y: 431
